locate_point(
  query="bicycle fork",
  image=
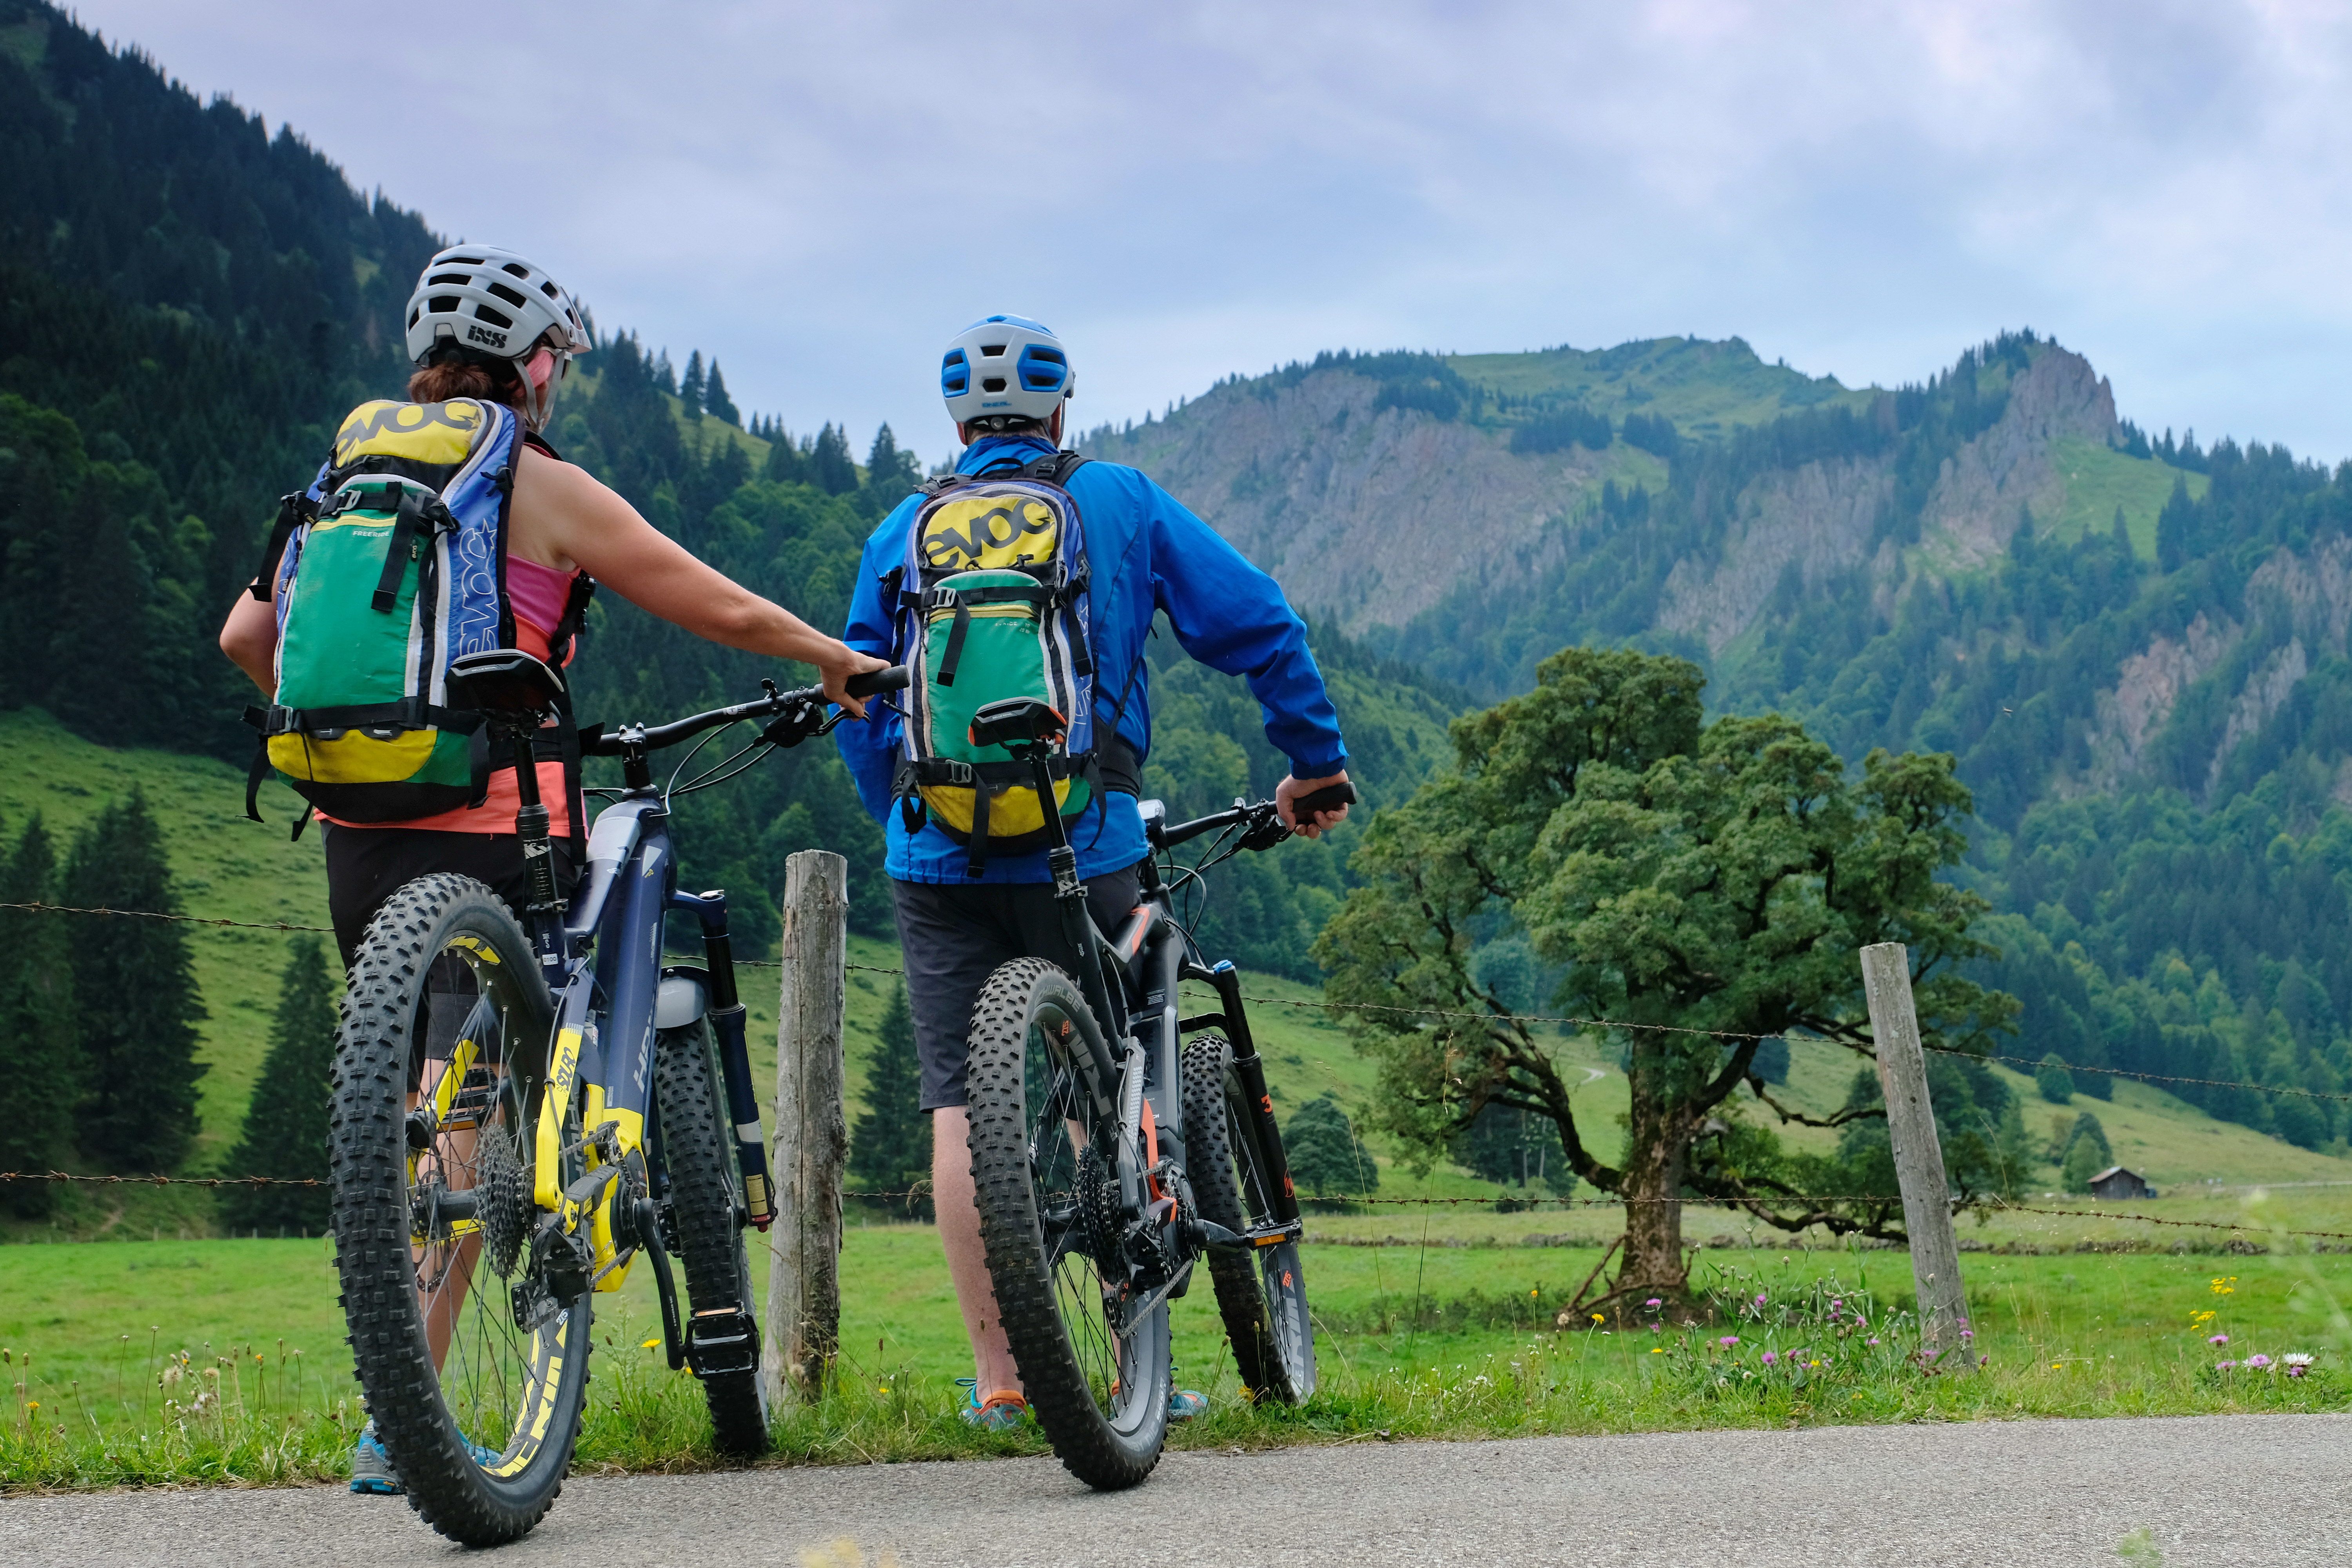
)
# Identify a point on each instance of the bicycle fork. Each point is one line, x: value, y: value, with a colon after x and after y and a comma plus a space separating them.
x: 726, y: 1015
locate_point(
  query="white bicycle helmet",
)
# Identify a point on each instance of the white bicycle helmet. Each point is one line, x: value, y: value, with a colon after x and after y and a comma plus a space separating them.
x: 1001, y: 369
x: 484, y: 301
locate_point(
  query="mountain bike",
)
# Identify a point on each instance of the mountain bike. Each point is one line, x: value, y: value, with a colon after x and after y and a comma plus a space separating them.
x: 524, y: 1106
x: 1115, y: 1143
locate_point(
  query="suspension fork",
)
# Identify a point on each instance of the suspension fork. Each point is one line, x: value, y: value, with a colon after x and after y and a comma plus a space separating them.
x: 727, y: 1023
x: 1250, y: 1069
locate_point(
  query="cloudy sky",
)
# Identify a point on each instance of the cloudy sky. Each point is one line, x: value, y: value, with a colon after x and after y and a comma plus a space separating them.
x: 822, y: 193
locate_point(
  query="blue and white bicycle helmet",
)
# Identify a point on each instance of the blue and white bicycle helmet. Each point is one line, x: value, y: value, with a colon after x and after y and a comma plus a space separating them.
x: 1004, y: 370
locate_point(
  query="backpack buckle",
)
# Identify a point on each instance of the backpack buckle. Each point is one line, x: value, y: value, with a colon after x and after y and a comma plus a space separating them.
x: 953, y: 772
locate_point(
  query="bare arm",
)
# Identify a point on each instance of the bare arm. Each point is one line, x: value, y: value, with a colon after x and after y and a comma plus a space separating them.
x: 249, y: 638
x: 563, y: 517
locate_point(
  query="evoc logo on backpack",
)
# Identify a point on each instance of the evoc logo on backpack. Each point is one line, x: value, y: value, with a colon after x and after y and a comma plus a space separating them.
x: 992, y: 600
x: 962, y: 535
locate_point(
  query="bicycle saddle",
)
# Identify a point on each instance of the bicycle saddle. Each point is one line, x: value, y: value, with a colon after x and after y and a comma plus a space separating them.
x: 1016, y: 722
x: 506, y: 683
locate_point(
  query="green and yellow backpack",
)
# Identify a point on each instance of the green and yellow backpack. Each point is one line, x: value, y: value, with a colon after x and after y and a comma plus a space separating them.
x: 390, y: 566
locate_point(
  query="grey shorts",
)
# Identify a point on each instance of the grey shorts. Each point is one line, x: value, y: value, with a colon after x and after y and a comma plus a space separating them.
x: 956, y: 936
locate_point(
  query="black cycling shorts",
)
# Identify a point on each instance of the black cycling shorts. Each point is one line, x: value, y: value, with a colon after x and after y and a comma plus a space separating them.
x: 955, y: 935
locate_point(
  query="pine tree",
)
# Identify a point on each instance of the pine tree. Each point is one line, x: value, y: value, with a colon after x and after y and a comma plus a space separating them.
x: 39, y: 1058
x: 891, y: 1148
x: 830, y: 467
x: 890, y: 472
x: 689, y: 386
x: 135, y: 993
x: 788, y: 461
x: 715, y: 400
x: 286, y: 1125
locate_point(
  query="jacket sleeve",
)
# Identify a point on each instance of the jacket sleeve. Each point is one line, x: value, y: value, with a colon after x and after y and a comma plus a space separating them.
x: 870, y: 749
x: 1233, y: 619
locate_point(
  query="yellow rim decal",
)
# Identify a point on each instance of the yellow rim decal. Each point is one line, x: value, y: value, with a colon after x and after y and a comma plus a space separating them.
x: 475, y: 946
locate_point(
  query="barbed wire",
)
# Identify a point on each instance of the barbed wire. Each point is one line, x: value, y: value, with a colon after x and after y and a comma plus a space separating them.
x: 2022, y: 1064
x: 163, y: 1180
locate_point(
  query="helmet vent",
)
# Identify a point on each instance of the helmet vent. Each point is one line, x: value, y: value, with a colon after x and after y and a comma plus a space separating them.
x: 458, y: 278
x: 496, y: 318
x: 443, y: 304
x: 516, y: 269
x: 992, y: 384
x: 511, y: 295
x: 991, y: 351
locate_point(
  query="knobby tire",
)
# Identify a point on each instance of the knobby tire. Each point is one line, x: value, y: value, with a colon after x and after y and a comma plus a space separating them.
x: 1261, y: 1294
x: 706, y: 1203
x: 1043, y: 1301
x: 386, y: 1019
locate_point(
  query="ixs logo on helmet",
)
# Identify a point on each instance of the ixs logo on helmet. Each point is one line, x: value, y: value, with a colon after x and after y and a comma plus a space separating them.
x: 478, y: 334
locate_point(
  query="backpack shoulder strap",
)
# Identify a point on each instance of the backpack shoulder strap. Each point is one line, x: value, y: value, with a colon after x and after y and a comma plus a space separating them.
x: 1055, y: 468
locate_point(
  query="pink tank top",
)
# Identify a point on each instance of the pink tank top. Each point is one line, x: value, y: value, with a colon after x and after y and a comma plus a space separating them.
x: 538, y: 595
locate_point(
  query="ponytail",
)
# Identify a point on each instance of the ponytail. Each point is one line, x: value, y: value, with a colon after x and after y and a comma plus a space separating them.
x: 460, y: 374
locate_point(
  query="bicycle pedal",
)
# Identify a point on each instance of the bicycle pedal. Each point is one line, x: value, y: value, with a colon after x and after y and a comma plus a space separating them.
x: 722, y: 1340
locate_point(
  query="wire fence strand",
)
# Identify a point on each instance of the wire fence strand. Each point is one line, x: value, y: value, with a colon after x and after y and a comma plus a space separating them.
x: 2023, y: 1064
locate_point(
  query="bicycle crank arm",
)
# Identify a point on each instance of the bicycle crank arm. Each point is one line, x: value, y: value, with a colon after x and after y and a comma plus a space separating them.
x: 665, y: 1284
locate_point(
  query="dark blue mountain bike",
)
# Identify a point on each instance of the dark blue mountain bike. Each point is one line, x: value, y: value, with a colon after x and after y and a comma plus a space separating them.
x: 524, y: 1108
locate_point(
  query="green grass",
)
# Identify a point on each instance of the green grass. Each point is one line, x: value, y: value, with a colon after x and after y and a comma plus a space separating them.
x: 1414, y: 1340
x: 1705, y: 388
x: 2100, y: 480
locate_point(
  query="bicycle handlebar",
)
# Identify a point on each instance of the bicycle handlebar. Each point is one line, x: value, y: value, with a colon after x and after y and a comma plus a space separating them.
x: 1261, y: 815
x: 619, y: 743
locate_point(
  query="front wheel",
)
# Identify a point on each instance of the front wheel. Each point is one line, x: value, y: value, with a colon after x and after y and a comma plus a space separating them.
x: 468, y: 1333
x: 706, y: 1202
x: 1095, y: 1371
x: 1262, y: 1294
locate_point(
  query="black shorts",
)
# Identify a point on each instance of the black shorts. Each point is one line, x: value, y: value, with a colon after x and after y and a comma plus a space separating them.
x: 366, y: 866
x: 955, y: 935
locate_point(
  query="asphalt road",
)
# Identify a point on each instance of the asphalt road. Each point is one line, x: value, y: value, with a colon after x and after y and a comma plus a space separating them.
x: 2221, y: 1490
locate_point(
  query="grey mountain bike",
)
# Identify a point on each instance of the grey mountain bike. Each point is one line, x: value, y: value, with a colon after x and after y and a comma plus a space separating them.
x: 524, y: 1108
x: 1116, y: 1144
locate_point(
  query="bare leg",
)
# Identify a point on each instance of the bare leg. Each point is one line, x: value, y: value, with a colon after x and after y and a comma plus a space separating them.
x: 991, y: 1356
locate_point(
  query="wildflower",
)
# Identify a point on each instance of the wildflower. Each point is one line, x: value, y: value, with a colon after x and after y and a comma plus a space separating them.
x: 1759, y: 1297
x: 1654, y: 1301
x: 1967, y: 1333
x: 2296, y: 1359
x: 2258, y: 1363
x: 1873, y: 1341
x: 1770, y: 1357
x: 650, y: 1345
x: 1728, y: 1340
x: 1597, y: 1318
x: 1657, y: 1350
x: 2219, y: 1340
x: 2225, y: 1366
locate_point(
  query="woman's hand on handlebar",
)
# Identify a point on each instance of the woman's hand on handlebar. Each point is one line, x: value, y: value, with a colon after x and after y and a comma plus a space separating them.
x: 837, y: 666
x: 1316, y: 823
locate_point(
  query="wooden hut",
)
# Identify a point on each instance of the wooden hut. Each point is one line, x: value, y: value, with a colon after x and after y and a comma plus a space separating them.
x: 2114, y: 1181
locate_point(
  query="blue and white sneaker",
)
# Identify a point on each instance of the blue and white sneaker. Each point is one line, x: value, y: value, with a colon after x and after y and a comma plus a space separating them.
x: 371, y: 1467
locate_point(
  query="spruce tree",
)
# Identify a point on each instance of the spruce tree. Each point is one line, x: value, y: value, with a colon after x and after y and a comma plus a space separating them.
x: 689, y: 386
x: 715, y: 400
x: 830, y: 467
x: 1323, y: 1151
x: 890, y: 472
x: 891, y: 1148
x: 788, y: 461
x: 286, y: 1125
x: 39, y: 1060
x: 135, y: 996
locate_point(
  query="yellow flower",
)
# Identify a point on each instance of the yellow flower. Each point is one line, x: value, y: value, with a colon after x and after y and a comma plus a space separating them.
x: 650, y: 1345
x: 1597, y: 1318
x: 1660, y: 1350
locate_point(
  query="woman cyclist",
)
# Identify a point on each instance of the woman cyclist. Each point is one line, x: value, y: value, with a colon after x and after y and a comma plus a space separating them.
x: 562, y: 528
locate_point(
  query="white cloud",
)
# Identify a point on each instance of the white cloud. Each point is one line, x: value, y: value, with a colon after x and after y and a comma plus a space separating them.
x: 821, y: 193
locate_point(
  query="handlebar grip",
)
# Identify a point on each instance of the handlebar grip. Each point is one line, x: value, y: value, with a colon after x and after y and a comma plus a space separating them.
x: 1331, y: 798
x: 894, y: 678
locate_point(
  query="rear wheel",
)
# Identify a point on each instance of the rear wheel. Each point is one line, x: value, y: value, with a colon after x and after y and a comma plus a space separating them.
x: 1262, y: 1295
x: 474, y: 1375
x: 1096, y: 1373
x: 705, y: 1201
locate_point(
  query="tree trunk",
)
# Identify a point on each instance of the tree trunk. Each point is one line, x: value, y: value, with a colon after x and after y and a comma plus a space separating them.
x: 1653, y: 1211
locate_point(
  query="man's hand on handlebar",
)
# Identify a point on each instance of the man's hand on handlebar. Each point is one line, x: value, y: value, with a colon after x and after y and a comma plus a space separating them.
x: 837, y: 668
x: 1315, y: 823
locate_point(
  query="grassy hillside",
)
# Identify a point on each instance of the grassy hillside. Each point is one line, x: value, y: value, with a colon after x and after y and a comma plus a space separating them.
x: 1705, y: 388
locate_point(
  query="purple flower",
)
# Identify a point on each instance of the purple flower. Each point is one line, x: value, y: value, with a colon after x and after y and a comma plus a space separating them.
x: 1835, y: 1302
x: 1654, y: 1301
x: 2224, y: 1365
x: 1967, y: 1333
x: 1860, y: 1322
x: 2258, y: 1362
x: 1760, y: 1298
x: 2219, y: 1340
x: 1728, y: 1340
x: 1873, y: 1339
x: 2297, y: 1370
x: 1769, y: 1358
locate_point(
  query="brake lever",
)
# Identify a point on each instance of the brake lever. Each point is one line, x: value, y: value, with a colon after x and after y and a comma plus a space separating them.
x: 793, y: 725
x: 1266, y: 827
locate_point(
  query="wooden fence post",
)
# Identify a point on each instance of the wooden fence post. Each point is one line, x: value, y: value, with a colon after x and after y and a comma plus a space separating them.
x: 1945, y: 1342
x: 803, y: 1326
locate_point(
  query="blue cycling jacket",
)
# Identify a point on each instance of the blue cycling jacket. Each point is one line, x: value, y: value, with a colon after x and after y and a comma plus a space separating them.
x: 1147, y: 553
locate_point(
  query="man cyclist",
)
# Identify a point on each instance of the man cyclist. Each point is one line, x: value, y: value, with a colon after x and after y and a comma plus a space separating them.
x: 1148, y: 555
x: 562, y: 528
